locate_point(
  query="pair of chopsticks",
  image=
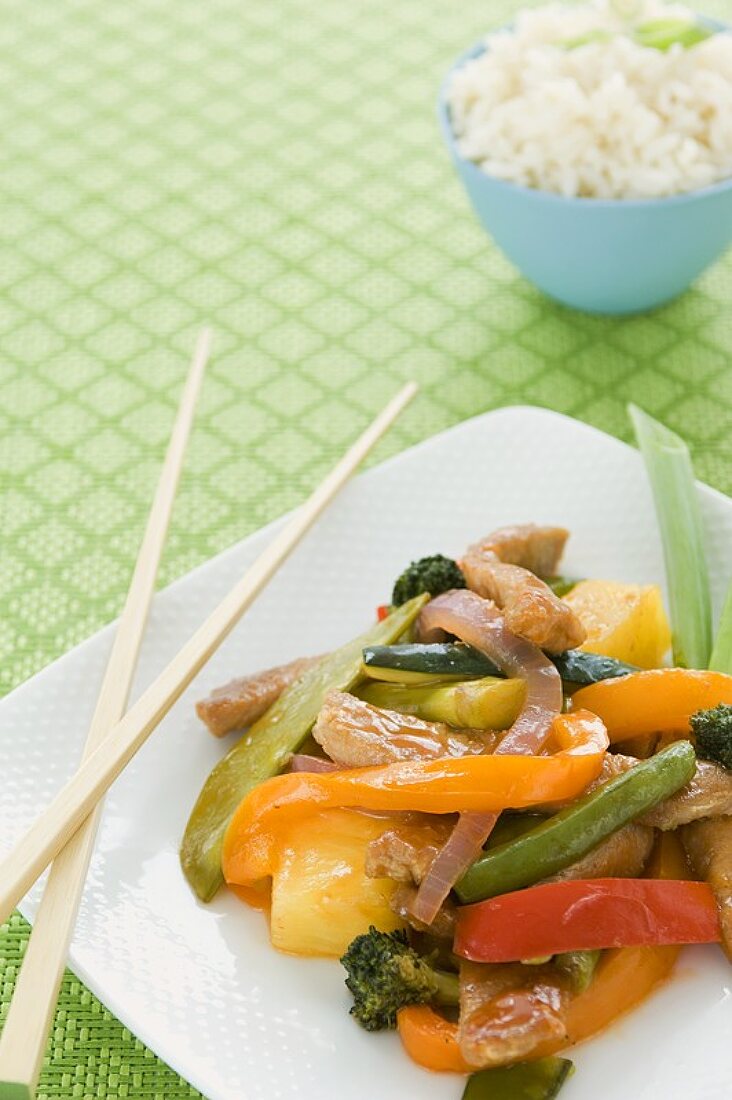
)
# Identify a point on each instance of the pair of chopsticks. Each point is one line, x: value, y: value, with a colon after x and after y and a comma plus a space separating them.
x: 65, y: 832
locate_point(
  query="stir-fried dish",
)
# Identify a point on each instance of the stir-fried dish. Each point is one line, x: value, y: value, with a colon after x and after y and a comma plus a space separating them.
x: 482, y: 807
x: 498, y: 807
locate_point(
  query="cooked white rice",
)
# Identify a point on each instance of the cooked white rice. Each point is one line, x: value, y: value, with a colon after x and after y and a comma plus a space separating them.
x: 609, y: 119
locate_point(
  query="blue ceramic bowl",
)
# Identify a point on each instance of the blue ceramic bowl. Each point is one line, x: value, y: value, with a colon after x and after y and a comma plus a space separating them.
x: 597, y: 255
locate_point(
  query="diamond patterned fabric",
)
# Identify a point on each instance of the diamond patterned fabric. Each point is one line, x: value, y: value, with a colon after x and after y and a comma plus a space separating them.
x: 273, y: 169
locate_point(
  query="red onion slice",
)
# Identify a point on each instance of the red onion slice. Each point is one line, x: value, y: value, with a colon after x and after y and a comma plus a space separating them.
x: 302, y: 762
x: 479, y: 623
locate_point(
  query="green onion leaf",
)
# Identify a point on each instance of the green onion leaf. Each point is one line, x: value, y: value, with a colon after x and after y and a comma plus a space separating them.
x: 662, y: 34
x: 671, y: 475
x: 721, y: 658
x: 585, y: 39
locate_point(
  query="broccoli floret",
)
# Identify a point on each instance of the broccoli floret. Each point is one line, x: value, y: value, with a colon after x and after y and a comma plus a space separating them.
x: 434, y: 574
x: 712, y: 730
x: 385, y: 974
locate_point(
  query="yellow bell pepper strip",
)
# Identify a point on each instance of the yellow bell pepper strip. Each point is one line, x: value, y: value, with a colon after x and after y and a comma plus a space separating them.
x: 653, y: 700
x: 449, y: 785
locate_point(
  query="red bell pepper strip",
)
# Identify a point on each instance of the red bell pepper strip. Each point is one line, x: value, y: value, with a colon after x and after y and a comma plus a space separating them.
x: 623, y: 979
x: 382, y: 612
x: 584, y: 915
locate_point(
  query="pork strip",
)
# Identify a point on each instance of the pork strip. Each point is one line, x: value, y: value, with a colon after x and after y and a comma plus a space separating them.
x: 708, y: 845
x: 441, y: 928
x: 621, y: 855
x: 405, y: 852
x: 507, y: 1010
x: 708, y: 794
x: 503, y: 568
x: 241, y: 702
x: 538, y: 549
x: 357, y: 735
x: 613, y: 765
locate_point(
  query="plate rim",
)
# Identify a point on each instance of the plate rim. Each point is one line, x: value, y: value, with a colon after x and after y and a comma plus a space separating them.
x: 175, y: 1059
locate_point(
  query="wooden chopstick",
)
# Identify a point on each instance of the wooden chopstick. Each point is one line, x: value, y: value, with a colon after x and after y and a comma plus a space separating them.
x: 77, y: 799
x: 24, y: 1035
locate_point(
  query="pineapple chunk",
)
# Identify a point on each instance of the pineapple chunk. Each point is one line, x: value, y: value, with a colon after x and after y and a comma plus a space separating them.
x: 625, y: 621
x: 321, y: 897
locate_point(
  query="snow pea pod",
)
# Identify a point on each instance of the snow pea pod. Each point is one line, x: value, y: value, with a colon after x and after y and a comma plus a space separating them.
x: 267, y: 746
x: 539, y: 1080
x: 569, y: 835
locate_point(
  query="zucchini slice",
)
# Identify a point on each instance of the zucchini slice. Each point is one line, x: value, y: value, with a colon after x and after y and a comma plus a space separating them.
x: 418, y: 664
x: 421, y: 664
x: 490, y: 703
x: 577, y: 666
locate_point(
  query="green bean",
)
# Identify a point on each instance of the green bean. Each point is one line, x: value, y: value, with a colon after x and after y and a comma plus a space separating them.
x: 578, y: 967
x: 569, y: 835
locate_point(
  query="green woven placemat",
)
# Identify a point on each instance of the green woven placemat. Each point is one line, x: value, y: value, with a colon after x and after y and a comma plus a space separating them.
x: 272, y: 168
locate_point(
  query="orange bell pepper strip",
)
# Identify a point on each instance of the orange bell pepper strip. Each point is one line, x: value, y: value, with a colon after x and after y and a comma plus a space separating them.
x: 623, y: 979
x: 668, y: 859
x: 658, y: 699
x: 430, y: 1040
x: 626, y: 976
x: 488, y: 783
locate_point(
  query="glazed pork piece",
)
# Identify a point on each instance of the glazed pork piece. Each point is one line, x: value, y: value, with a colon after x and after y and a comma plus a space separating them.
x: 708, y: 794
x: 708, y: 845
x: 405, y: 852
x: 503, y: 567
x: 441, y: 928
x: 241, y: 702
x: 356, y: 735
x: 507, y: 1010
x: 538, y: 549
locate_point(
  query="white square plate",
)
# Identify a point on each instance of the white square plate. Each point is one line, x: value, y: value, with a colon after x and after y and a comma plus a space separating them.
x: 201, y: 985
